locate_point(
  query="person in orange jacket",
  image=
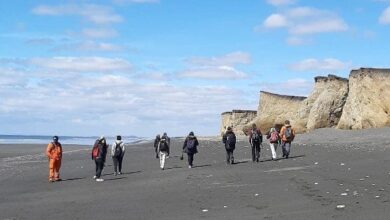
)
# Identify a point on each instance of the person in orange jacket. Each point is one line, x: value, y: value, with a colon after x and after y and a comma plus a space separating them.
x: 287, y: 134
x: 54, y: 154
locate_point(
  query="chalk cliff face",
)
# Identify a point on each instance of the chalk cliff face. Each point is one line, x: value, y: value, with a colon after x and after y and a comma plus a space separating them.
x: 327, y: 102
x: 237, y: 119
x: 322, y: 108
x: 275, y: 109
x: 368, y: 102
x: 361, y: 102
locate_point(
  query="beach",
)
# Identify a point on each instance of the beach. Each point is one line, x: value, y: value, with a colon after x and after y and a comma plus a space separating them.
x: 331, y: 174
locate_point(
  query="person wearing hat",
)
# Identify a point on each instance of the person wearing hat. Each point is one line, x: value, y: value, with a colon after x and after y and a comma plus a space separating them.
x: 54, y: 154
x: 229, y: 139
x: 100, y: 157
x: 190, y: 147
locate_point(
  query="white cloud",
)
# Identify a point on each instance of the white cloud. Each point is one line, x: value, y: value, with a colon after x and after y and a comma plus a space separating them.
x: 99, y: 33
x: 135, y: 1
x: 301, y: 22
x: 97, y: 14
x: 275, y: 21
x: 297, y: 87
x: 219, y: 72
x: 319, y: 26
x: 280, y: 2
x: 88, y: 46
x: 111, y: 103
x: 221, y: 67
x: 385, y: 16
x: 329, y: 64
x: 229, y: 59
x: 83, y: 64
x: 296, y: 41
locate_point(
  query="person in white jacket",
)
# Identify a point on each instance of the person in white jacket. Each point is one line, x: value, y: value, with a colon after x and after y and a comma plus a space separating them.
x: 117, y: 153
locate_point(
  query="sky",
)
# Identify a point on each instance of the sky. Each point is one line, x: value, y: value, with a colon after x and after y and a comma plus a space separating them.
x: 143, y: 67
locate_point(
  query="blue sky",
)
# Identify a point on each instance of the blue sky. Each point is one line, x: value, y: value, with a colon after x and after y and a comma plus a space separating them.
x: 142, y: 67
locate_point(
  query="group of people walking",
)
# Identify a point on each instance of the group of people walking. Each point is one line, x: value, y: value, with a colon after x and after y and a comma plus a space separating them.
x: 282, y: 138
x: 98, y: 155
x: 162, y: 149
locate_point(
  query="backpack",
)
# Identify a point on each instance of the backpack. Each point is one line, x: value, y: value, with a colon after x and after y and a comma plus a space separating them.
x: 118, y: 150
x: 231, y: 141
x: 274, y: 137
x: 95, y: 151
x: 191, y: 144
x: 163, y: 145
x: 288, y: 134
x: 256, y: 138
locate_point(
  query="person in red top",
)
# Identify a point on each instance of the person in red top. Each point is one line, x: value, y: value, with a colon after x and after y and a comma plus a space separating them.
x: 54, y: 154
x: 287, y: 134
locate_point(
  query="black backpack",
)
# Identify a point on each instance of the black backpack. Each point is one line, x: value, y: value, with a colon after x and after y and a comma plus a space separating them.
x: 163, y: 145
x: 256, y: 137
x: 191, y: 144
x: 230, y: 141
x: 118, y: 150
x: 288, y: 134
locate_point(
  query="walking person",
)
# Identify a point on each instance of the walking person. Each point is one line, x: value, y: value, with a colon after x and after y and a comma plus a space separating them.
x: 287, y: 134
x: 156, y: 141
x: 255, y: 140
x: 273, y: 137
x: 118, y: 152
x: 168, y: 140
x: 190, y: 147
x: 99, y: 153
x: 54, y: 154
x: 163, y: 149
x: 229, y: 139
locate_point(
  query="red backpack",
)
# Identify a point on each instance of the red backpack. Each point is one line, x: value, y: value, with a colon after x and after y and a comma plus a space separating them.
x: 95, y: 151
x: 274, y: 137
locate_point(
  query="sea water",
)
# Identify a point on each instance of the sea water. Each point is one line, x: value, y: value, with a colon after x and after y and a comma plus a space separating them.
x: 79, y: 140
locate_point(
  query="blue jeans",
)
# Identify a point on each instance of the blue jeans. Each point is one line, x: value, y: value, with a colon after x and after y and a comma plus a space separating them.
x: 286, y: 148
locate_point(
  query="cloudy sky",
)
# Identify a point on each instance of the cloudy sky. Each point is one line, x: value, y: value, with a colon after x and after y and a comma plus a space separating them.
x: 141, y: 67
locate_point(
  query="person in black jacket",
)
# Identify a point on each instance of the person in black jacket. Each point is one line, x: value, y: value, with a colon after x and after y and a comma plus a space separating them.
x: 100, y: 158
x: 229, y: 139
x: 190, y: 147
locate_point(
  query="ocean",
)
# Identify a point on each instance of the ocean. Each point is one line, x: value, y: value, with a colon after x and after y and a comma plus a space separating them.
x: 42, y: 139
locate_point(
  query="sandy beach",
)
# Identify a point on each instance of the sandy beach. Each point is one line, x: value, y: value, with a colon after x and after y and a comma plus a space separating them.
x: 331, y: 174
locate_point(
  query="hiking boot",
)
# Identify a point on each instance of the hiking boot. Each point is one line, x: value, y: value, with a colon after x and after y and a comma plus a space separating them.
x: 99, y: 180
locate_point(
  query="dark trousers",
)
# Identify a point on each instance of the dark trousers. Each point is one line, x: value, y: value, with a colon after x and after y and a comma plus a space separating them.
x: 99, y: 167
x: 117, y: 163
x: 190, y: 158
x: 255, y: 152
x: 229, y: 156
x: 286, y: 148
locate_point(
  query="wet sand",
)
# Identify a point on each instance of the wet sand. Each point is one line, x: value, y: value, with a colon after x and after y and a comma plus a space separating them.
x: 326, y: 169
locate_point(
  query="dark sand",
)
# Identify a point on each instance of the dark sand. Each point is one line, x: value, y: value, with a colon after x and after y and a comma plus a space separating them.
x: 324, y: 164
